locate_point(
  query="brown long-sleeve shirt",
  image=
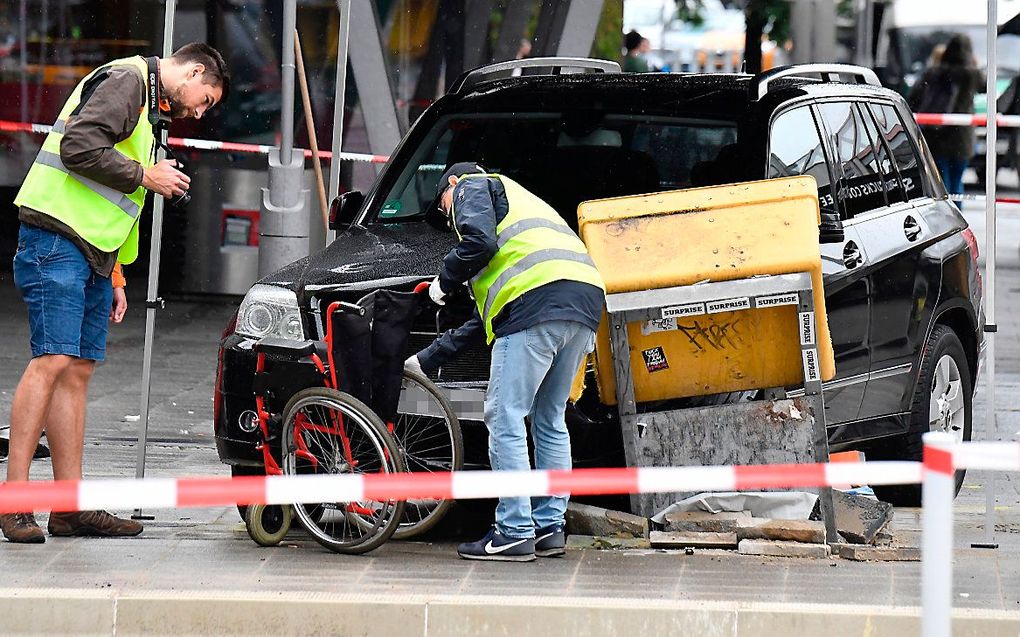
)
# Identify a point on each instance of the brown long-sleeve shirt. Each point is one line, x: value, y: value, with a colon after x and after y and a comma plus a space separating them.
x: 106, y: 116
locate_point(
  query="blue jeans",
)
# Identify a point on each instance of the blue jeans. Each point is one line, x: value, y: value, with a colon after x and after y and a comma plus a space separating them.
x: 952, y: 174
x: 532, y: 371
x: 68, y: 303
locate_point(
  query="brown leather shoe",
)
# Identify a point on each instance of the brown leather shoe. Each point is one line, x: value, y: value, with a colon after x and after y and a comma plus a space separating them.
x: 91, y: 524
x: 21, y: 527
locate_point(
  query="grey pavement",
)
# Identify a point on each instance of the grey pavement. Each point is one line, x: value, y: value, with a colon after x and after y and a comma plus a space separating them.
x: 192, y: 554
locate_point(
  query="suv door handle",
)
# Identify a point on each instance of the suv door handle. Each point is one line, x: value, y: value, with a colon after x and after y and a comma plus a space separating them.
x: 911, y: 229
x: 852, y: 255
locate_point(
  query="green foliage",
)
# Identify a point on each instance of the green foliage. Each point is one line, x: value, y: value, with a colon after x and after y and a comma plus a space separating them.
x: 691, y: 11
x: 609, y: 34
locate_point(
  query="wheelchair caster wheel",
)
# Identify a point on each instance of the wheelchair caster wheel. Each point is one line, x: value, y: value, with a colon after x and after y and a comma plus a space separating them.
x: 268, y: 524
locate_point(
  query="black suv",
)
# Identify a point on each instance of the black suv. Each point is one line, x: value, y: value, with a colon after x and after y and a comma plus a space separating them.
x: 902, y: 286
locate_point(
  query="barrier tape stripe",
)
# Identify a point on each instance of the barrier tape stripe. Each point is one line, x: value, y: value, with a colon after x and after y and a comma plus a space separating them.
x: 999, y: 200
x: 938, y: 460
x: 166, y: 493
x: 205, y: 144
x: 925, y: 119
x: 965, y: 119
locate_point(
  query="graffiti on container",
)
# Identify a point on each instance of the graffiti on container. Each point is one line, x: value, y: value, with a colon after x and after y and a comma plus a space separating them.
x: 714, y: 336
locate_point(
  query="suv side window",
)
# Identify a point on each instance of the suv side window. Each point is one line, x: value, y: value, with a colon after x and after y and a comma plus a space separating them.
x: 904, y: 154
x: 894, y: 190
x: 795, y: 148
x: 859, y: 181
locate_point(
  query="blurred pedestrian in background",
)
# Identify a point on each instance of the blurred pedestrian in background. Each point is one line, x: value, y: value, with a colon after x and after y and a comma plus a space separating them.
x: 949, y: 87
x: 523, y: 51
x: 637, y: 47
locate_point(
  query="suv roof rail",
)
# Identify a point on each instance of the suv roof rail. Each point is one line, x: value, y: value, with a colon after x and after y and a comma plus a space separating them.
x: 829, y: 73
x: 475, y: 77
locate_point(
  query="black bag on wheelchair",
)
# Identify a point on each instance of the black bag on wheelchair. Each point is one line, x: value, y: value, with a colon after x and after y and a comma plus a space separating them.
x: 369, y: 350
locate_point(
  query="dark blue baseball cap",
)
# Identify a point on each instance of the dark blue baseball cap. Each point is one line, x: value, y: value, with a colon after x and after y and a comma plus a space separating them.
x: 458, y: 169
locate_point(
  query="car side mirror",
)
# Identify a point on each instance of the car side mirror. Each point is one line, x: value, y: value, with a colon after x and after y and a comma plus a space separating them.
x: 344, y: 209
x: 830, y: 230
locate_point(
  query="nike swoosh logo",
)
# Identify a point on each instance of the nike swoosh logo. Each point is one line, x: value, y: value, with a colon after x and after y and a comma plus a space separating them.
x: 539, y: 539
x: 492, y: 550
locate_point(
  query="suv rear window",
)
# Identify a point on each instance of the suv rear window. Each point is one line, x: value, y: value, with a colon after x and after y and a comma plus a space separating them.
x: 568, y: 158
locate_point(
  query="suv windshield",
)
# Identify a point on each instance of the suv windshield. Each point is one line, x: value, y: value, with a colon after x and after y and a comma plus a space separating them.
x: 566, y: 158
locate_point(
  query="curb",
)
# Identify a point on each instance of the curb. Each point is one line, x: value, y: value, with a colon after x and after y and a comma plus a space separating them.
x: 108, y: 612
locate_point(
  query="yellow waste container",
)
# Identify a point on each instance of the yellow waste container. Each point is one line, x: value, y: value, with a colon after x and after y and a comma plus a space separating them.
x: 719, y: 233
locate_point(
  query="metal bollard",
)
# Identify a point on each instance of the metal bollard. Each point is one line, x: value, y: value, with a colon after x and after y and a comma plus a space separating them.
x: 937, y: 493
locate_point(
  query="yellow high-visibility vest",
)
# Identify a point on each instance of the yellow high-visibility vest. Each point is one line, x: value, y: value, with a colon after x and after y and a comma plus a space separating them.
x: 103, y: 216
x: 535, y: 247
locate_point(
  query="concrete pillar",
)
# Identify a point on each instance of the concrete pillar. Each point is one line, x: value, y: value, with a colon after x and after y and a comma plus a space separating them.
x: 283, y: 215
x: 813, y: 31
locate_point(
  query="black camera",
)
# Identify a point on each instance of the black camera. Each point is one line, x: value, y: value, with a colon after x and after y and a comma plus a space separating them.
x: 181, y: 200
x: 184, y: 198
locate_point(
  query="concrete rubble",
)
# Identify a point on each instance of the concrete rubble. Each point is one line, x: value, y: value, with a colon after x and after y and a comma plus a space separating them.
x: 584, y: 519
x: 861, y: 522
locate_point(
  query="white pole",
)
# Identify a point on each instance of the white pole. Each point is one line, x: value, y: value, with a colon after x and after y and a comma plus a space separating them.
x: 153, y: 301
x: 343, y: 38
x: 991, y: 159
x: 937, y: 493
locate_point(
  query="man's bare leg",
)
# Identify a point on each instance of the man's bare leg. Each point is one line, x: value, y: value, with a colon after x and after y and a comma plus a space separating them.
x: 29, y: 410
x: 65, y: 423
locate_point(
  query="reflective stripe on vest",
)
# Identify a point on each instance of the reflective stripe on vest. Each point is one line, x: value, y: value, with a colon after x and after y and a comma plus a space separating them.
x: 114, y: 196
x: 534, y: 247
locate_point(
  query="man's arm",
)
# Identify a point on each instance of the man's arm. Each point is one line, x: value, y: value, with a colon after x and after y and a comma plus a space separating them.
x: 106, y: 116
x: 451, y: 344
x: 476, y: 222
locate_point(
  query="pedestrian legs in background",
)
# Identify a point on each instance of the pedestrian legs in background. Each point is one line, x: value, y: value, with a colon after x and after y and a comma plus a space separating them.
x: 952, y: 174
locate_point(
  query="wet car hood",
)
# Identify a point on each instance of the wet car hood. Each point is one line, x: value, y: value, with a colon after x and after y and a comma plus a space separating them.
x: 362, y: 258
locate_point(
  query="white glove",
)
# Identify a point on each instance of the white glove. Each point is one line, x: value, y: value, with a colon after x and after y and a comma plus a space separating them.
x: 412, y: 365
x: 436, y: 293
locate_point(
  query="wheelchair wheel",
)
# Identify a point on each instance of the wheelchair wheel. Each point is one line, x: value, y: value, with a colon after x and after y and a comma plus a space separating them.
x: 329, y: 432
x: 267, y: 524
x: 428, y: 438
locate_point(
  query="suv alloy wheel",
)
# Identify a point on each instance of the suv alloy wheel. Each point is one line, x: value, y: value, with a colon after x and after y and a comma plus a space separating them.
x: 942, y: 402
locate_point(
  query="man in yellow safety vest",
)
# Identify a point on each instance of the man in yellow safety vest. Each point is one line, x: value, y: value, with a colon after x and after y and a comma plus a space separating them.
x: 79, y: 209
x: 539, y: 301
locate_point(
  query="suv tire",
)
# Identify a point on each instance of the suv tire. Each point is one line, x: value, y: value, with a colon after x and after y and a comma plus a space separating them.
x: 944, y: 376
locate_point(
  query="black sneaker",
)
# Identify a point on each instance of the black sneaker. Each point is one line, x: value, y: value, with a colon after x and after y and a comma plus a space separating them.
x: 497, y: 547
x: 550, y: 541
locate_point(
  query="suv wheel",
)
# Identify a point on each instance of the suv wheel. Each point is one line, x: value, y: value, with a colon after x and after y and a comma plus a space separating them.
x: 942, y: 402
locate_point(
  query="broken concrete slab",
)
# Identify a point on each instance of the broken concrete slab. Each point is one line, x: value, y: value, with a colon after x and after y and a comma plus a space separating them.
x: 679, y: 540
x: 705, y: 522
x: 858, y: 518
x: 807, y: 531
x: 583, y: 542
x: 772, y: 548
x: 584, y: 519
x: 866, y: 553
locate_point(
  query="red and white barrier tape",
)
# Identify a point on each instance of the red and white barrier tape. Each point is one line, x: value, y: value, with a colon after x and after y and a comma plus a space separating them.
x: 985, y: 456
x: 163, y: 493
x: 968, y: 197
x: 965, y: 119
x: 205, y: 144
x: 927, y: 119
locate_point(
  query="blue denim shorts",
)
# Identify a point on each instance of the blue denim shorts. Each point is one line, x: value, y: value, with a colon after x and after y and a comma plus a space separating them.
x: 68, y: 303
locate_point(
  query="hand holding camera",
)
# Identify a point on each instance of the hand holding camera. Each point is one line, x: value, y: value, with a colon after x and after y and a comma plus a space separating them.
x: 165, y: 179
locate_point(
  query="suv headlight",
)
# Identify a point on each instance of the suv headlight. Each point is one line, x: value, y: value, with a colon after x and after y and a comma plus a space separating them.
x: 270, y: 311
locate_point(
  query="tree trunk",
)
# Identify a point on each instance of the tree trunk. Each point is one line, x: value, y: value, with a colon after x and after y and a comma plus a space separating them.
x: 754, y: 15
